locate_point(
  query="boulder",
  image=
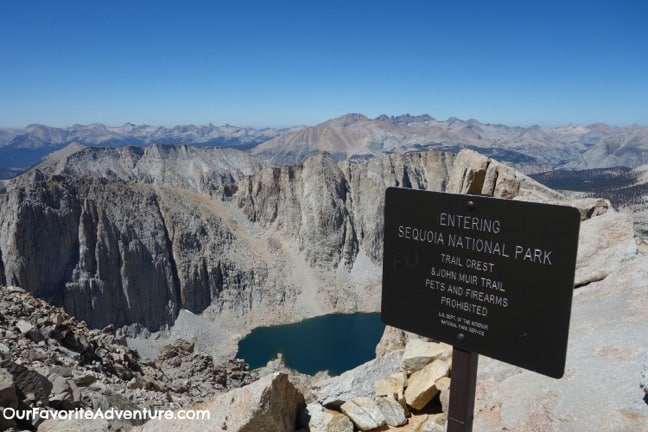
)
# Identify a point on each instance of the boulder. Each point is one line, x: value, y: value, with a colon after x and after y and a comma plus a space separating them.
x: 29, y: 330
x: 30, y: 384
x: 65, y: 394
x: 418, y: 353
x: 392, y: 411
x: 392, y: 386
x: 443, y: 385
x: 394, y: 339
x: 334, y: 391
x: 325, y: 420
x: 421, y: 385
x: 364, y: 412
x: 428, y: 423
x: 270, y: 404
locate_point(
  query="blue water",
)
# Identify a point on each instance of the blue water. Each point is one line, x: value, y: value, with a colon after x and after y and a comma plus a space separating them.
x: 336, y: 343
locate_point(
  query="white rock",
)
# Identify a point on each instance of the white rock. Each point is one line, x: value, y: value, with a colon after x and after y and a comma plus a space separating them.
x: 356, y: 382
x: 392, y: 411
x: 418, y: 353
x: 325, y: 420
x: 364, y: 412
x: 392, y: 386
x: 426, y: 423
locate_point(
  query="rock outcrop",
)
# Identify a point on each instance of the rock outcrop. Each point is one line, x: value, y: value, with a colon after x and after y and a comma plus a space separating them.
x: 606, y: 340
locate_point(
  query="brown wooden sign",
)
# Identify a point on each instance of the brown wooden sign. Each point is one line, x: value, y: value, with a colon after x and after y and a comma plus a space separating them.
x: 487, y: 275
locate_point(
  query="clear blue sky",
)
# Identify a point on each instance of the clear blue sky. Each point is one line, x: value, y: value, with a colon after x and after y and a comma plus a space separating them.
x: 283, y: 63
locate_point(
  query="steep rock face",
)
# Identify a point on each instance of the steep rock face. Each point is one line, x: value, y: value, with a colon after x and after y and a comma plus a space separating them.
x: 429, y: 170
x: 334, y: 210
x: 310, y: 202
x: 331, y: 209
x: 120, y: 253
x: 38, y: 234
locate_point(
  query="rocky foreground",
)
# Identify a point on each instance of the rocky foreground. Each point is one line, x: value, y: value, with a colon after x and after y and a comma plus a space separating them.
x: 51, y: 361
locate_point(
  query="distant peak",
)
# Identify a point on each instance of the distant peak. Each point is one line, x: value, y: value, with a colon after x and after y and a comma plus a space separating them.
x: 346, y: 120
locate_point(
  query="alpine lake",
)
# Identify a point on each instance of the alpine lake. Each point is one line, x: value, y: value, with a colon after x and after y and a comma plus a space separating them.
x: 333, y: 343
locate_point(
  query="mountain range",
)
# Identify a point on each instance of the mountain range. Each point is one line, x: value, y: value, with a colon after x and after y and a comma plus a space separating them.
x: 355, y: 137
x: 21, y: 148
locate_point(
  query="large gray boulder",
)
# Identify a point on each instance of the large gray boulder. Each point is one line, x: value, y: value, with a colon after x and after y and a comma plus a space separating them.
x: 270, y: 404
x: 357, y: 382
x: 607, y: 345
x: 364, y: 412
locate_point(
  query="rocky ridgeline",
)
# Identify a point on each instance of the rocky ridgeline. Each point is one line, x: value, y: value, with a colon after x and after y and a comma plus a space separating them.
x: 196, y: 169
x: 50, y: 360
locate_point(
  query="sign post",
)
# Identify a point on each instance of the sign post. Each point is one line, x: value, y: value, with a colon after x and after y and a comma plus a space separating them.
x: 486, y: 275
x: 462, y: 391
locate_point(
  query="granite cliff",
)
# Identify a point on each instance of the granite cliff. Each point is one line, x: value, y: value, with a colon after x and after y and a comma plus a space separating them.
x: 277, y: 245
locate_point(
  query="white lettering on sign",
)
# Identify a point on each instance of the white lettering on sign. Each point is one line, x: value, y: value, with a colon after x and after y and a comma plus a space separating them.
x: 470, y: 223
x: 420, y: 234
x: 486, y: 246
x: 533, y: 255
